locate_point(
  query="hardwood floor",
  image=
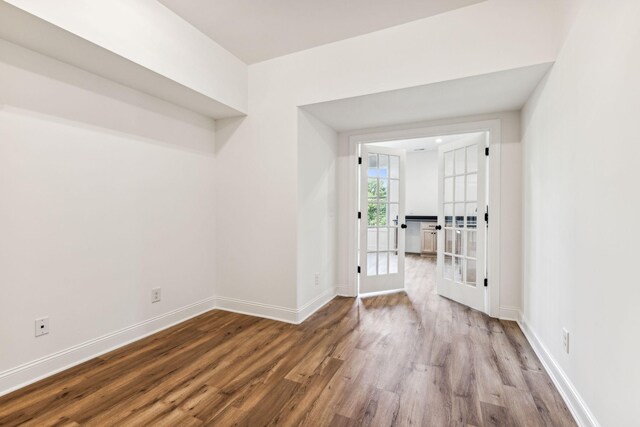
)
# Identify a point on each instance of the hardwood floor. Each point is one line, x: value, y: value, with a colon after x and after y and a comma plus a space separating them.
x: 406, y: 359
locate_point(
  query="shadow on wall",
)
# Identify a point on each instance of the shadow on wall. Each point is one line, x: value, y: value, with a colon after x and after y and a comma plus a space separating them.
x: 88, y: 100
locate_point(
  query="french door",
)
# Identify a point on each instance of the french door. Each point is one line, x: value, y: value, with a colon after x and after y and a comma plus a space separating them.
x: 382, y: 219
x: 461, y: 206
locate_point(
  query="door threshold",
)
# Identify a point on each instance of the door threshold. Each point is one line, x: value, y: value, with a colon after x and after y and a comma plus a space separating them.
x: 378, y: 293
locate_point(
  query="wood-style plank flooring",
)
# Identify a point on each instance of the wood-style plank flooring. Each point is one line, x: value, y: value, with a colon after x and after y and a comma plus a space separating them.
x: 406, y: 359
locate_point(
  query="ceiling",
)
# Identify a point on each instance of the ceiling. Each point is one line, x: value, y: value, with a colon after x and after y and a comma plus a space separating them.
x: 257, y: 30
x: 423, y: 144
x: 483, y: 94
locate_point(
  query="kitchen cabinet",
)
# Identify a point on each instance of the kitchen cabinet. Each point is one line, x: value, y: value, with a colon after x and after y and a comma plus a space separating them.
x: 429, y: 238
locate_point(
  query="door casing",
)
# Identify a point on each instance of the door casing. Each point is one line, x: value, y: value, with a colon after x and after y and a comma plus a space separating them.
x: 493, y: 127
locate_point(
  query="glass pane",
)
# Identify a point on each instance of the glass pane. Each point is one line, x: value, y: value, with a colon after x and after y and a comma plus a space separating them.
x: 394, y: 190
x: 459, y: 214
x: 448, y: 189
x: 472, y: 158
x: 382, y: 263
x: 383, y: 189
x: 372, y: 208
x: 373, y: 160
x: 471, y: 272
x: 471, y: 244
x: 448, y: 267
x: 395, y: 167
x: 393, y: 263
x: 393, y: 214
x: 382, y: 214
x: 383, y: 165
x: 373, y: 165
x: 448, y: 215
x: 448, y: 241
x: 372, y: 239
x: 472, y: 187
x: 460, y: 161
x: 371, y: 263
x: 383, y: 240
x: 393, y: 239
x: 457, y: 269
x: 457, y: 247
x: 372, y: 188
x: 448, y: 163
x: 459, y: 188
x: 472, y: 215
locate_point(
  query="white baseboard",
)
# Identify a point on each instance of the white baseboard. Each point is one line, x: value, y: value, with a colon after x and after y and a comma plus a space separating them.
x: 510, y: 313
x: 274, y: 312
x: 315, y: 304
x: 36, y: 370
x: 345, y: 291
x: 578, y: 407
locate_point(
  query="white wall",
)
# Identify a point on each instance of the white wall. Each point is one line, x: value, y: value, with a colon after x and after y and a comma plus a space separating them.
x: 105, y: 193
x: 262, y: 148
x: 317, y: 208
x: 421, y: 177
x: 580, y: 194
x: 151, y: 35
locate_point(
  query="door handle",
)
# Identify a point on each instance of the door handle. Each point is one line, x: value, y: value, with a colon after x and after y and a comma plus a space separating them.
x: 438, y: 227
x: 403, y: 226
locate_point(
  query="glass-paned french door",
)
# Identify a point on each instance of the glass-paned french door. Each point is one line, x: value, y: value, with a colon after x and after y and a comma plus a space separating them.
x: 382, y: 215
x: 461, y: 205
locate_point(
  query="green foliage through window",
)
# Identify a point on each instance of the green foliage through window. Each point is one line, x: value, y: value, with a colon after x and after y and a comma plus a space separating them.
x: 373, y: 207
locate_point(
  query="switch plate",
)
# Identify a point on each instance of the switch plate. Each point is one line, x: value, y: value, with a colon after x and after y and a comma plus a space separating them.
x: 565, y: 340
x: 156, y: 295
x: 42, y: 326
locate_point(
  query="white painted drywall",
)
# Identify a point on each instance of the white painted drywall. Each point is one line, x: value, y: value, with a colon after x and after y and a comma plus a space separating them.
x: 317, y: 207
x: 151, y: 35
x: 580, y: 191
x: 421, y: 177
x: 257, y: 155
x: 105, y: 193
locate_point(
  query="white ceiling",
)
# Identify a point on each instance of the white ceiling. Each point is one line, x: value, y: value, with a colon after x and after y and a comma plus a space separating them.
x: 483, y: 94
x: 256, y: 30
x: 423, y: 144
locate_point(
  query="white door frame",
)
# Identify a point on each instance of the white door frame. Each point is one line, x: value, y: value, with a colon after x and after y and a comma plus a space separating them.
x: 492, y: 296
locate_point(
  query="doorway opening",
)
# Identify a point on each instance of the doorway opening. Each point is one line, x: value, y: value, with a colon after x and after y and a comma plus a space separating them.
x: 423, y: 216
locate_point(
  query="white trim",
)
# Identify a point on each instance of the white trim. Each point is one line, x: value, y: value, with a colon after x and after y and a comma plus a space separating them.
x: 494, y: 127
x: 275, y: 312
x: 268, y: 311
x: 578, y: 407
x: 28, y: 373
x: 510, y: 313
x: 315, y: 304
x: 345, y: 291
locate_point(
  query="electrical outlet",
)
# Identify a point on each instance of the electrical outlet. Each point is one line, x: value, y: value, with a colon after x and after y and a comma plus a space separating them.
x: 155, y: 295
x: 565, y: 340
x: 42, y: 326
x: 317, y: 278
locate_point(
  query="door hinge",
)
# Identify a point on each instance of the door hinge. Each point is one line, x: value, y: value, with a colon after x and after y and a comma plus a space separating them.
x: 359, y: 215
x: 358, y: 269
x: 486, y: 216
x: 359, y: 160
x: 486, y: 282
x: 486, y: 151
